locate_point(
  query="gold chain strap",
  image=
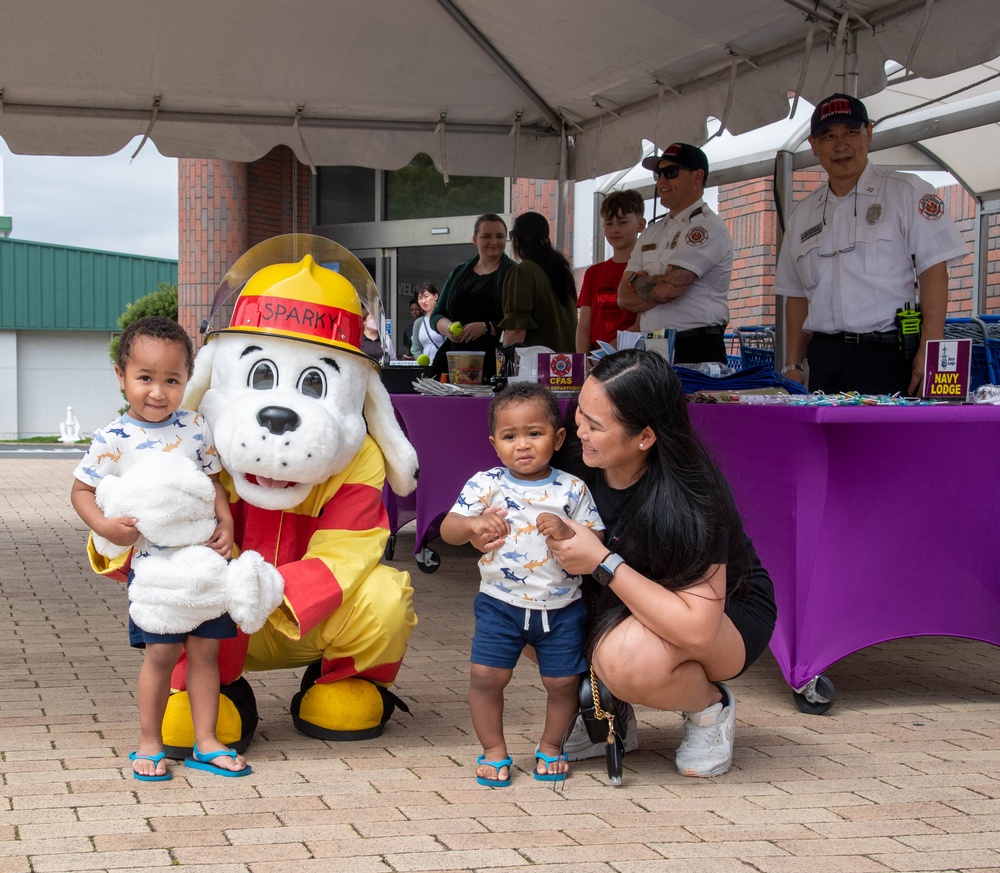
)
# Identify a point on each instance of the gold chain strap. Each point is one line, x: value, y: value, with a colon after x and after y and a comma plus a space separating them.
x: 598, y: 712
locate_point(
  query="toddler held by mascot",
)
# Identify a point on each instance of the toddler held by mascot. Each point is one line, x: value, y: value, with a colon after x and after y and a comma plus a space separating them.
x: 307, y: 437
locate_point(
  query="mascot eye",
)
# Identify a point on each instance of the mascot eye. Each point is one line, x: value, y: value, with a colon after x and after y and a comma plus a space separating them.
x: 312, y: 383
x: 263, y: 376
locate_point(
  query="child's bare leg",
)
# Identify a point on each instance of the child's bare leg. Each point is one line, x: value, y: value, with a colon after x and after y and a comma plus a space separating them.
x: 152, y: 691
x: 560, y: 707
x: 486, y: 705
x: 203, y: 691
x: 551, y: 525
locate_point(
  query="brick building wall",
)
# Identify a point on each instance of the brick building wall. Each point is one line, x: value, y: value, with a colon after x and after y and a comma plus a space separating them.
x: 227, y: 207
x: 541, y: 196
x: 212, y: 228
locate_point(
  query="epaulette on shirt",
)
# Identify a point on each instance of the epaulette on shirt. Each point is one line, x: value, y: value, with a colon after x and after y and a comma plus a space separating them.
x: 697, y: 212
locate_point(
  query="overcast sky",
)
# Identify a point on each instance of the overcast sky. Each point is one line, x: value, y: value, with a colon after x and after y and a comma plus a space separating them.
x: 109, y: 203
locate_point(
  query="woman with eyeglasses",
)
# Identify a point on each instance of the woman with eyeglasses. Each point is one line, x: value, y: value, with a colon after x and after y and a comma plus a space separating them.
x: 472, y: 298
x: 424, y: 339
x: 539, y: 295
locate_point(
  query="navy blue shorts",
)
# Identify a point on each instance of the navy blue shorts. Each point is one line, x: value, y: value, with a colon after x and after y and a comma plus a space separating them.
x: 500, y: 636
x: 221, y: 628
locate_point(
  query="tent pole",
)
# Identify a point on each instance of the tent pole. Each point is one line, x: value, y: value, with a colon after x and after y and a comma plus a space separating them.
x: 783, y: 182
x: 560, y: 242
x: 851, y: 62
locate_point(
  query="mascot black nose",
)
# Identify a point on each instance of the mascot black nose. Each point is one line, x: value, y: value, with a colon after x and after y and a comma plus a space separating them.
x: 278, y: 419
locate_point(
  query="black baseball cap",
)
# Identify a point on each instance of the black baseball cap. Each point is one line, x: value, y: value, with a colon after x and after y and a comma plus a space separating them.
x: 688, y: 156
x: 838, y: 109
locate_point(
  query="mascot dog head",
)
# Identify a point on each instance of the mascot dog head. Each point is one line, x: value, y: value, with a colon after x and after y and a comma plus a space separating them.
x: 287, y: 391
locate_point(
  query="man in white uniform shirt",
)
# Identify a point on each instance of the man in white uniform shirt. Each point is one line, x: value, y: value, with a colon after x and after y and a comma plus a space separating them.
x: 855, y: 251
x: 678, y: 274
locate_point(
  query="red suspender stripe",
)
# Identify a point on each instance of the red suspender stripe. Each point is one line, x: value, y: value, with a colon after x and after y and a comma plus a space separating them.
x: 344, y: 668
x: 357, y: 507
x: 313, y: 591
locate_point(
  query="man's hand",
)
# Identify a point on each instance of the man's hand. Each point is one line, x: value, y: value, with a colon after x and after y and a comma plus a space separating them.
x: 917, y: 374
x: 643, y: 285
x: 662, y: 287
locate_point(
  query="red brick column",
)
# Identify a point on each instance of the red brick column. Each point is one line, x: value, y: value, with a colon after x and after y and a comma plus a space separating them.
x: 225, y: 208
x: 269, y: 196
x: 541, y: 196
x: 212, y: 224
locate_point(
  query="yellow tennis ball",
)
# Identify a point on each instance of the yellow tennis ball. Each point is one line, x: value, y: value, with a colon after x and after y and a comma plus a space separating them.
x: 456, y: 328
x: 423, y: 361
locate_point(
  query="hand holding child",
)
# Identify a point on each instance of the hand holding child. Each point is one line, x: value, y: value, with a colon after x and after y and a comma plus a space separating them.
x: 121, y: 530
x: 221, y: 541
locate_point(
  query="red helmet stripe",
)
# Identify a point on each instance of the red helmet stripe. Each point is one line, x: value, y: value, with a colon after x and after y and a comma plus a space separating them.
x: 306, y: 319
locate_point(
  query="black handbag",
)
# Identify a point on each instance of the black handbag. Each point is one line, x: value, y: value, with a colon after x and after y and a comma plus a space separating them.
x: 604, y: 718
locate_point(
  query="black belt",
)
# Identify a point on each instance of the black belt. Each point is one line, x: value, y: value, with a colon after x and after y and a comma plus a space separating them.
x: 711, y: 330
x: 888, y: 338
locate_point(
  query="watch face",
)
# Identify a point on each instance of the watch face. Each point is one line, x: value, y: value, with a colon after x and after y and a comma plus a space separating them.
x: 602, y: 575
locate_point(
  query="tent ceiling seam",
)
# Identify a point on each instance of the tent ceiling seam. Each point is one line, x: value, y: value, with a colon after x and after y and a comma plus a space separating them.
x: 512, y: 75
x: 276, y: 120
x: 764, y: 59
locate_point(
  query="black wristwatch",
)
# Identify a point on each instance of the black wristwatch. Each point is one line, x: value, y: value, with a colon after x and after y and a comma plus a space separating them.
x: 605, y: 571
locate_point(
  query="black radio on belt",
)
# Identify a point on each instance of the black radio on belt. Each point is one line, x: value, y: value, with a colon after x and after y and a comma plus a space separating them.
x: 908, y: 328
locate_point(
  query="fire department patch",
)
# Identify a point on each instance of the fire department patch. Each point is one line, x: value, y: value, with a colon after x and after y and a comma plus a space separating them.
x: 697, y: 236
x: 931, y: 207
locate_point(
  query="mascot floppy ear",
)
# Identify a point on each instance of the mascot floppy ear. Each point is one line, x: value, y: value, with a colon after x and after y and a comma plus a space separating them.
x: 400, y: 457
x: 201, y: 379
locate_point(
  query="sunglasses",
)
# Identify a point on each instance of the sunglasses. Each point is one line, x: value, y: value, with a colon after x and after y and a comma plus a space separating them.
x: 669, y: 172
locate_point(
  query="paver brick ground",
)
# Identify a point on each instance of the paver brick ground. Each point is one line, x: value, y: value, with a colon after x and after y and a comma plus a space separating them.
x: 901, y: 775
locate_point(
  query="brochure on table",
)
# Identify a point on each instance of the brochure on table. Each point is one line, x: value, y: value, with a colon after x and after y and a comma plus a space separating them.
x: 947, y: 369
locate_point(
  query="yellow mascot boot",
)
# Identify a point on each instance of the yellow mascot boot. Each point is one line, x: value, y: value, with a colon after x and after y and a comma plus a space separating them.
x: 348, y: 709
x: 235, y: 726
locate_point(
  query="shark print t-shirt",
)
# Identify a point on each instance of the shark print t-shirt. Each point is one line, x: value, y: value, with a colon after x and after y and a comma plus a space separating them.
x: 522, y: 571
x: 126, y: 442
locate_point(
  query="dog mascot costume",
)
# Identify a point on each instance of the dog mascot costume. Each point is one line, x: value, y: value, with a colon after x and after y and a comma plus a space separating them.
x: 307, y: 437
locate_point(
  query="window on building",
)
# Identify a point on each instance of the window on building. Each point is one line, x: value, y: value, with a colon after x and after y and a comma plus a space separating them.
x: 418, y: 191
x: 345, y: 195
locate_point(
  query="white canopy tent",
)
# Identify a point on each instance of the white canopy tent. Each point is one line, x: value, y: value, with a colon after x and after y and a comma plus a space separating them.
x: 521, y: 88
x: 558, y: 90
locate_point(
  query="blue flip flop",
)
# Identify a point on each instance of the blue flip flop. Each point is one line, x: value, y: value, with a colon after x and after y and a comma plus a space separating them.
x: 203, y: 761
x: 507, y: 762
x: 548, y: 759
x: 159, y: 756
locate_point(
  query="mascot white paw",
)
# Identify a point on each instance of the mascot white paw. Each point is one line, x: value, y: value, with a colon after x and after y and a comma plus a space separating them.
x: 307, y: 437
x: 178, y: 582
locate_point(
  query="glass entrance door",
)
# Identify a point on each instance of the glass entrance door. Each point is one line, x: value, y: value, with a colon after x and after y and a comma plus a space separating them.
x: 416, y: 264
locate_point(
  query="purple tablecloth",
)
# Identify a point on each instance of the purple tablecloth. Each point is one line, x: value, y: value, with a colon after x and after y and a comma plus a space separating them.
x: 874, y: 522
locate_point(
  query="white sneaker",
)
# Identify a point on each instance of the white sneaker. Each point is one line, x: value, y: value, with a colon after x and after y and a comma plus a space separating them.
x: 707, y: 747
x: 579, y: 746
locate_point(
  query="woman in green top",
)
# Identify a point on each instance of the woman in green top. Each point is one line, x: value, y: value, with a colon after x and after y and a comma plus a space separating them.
x: 539, y: 294
x: 471, y: 296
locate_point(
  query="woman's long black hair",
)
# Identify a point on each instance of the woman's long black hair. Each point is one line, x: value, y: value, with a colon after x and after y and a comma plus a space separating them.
x: 680, y: 515
x: 530, y: 235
